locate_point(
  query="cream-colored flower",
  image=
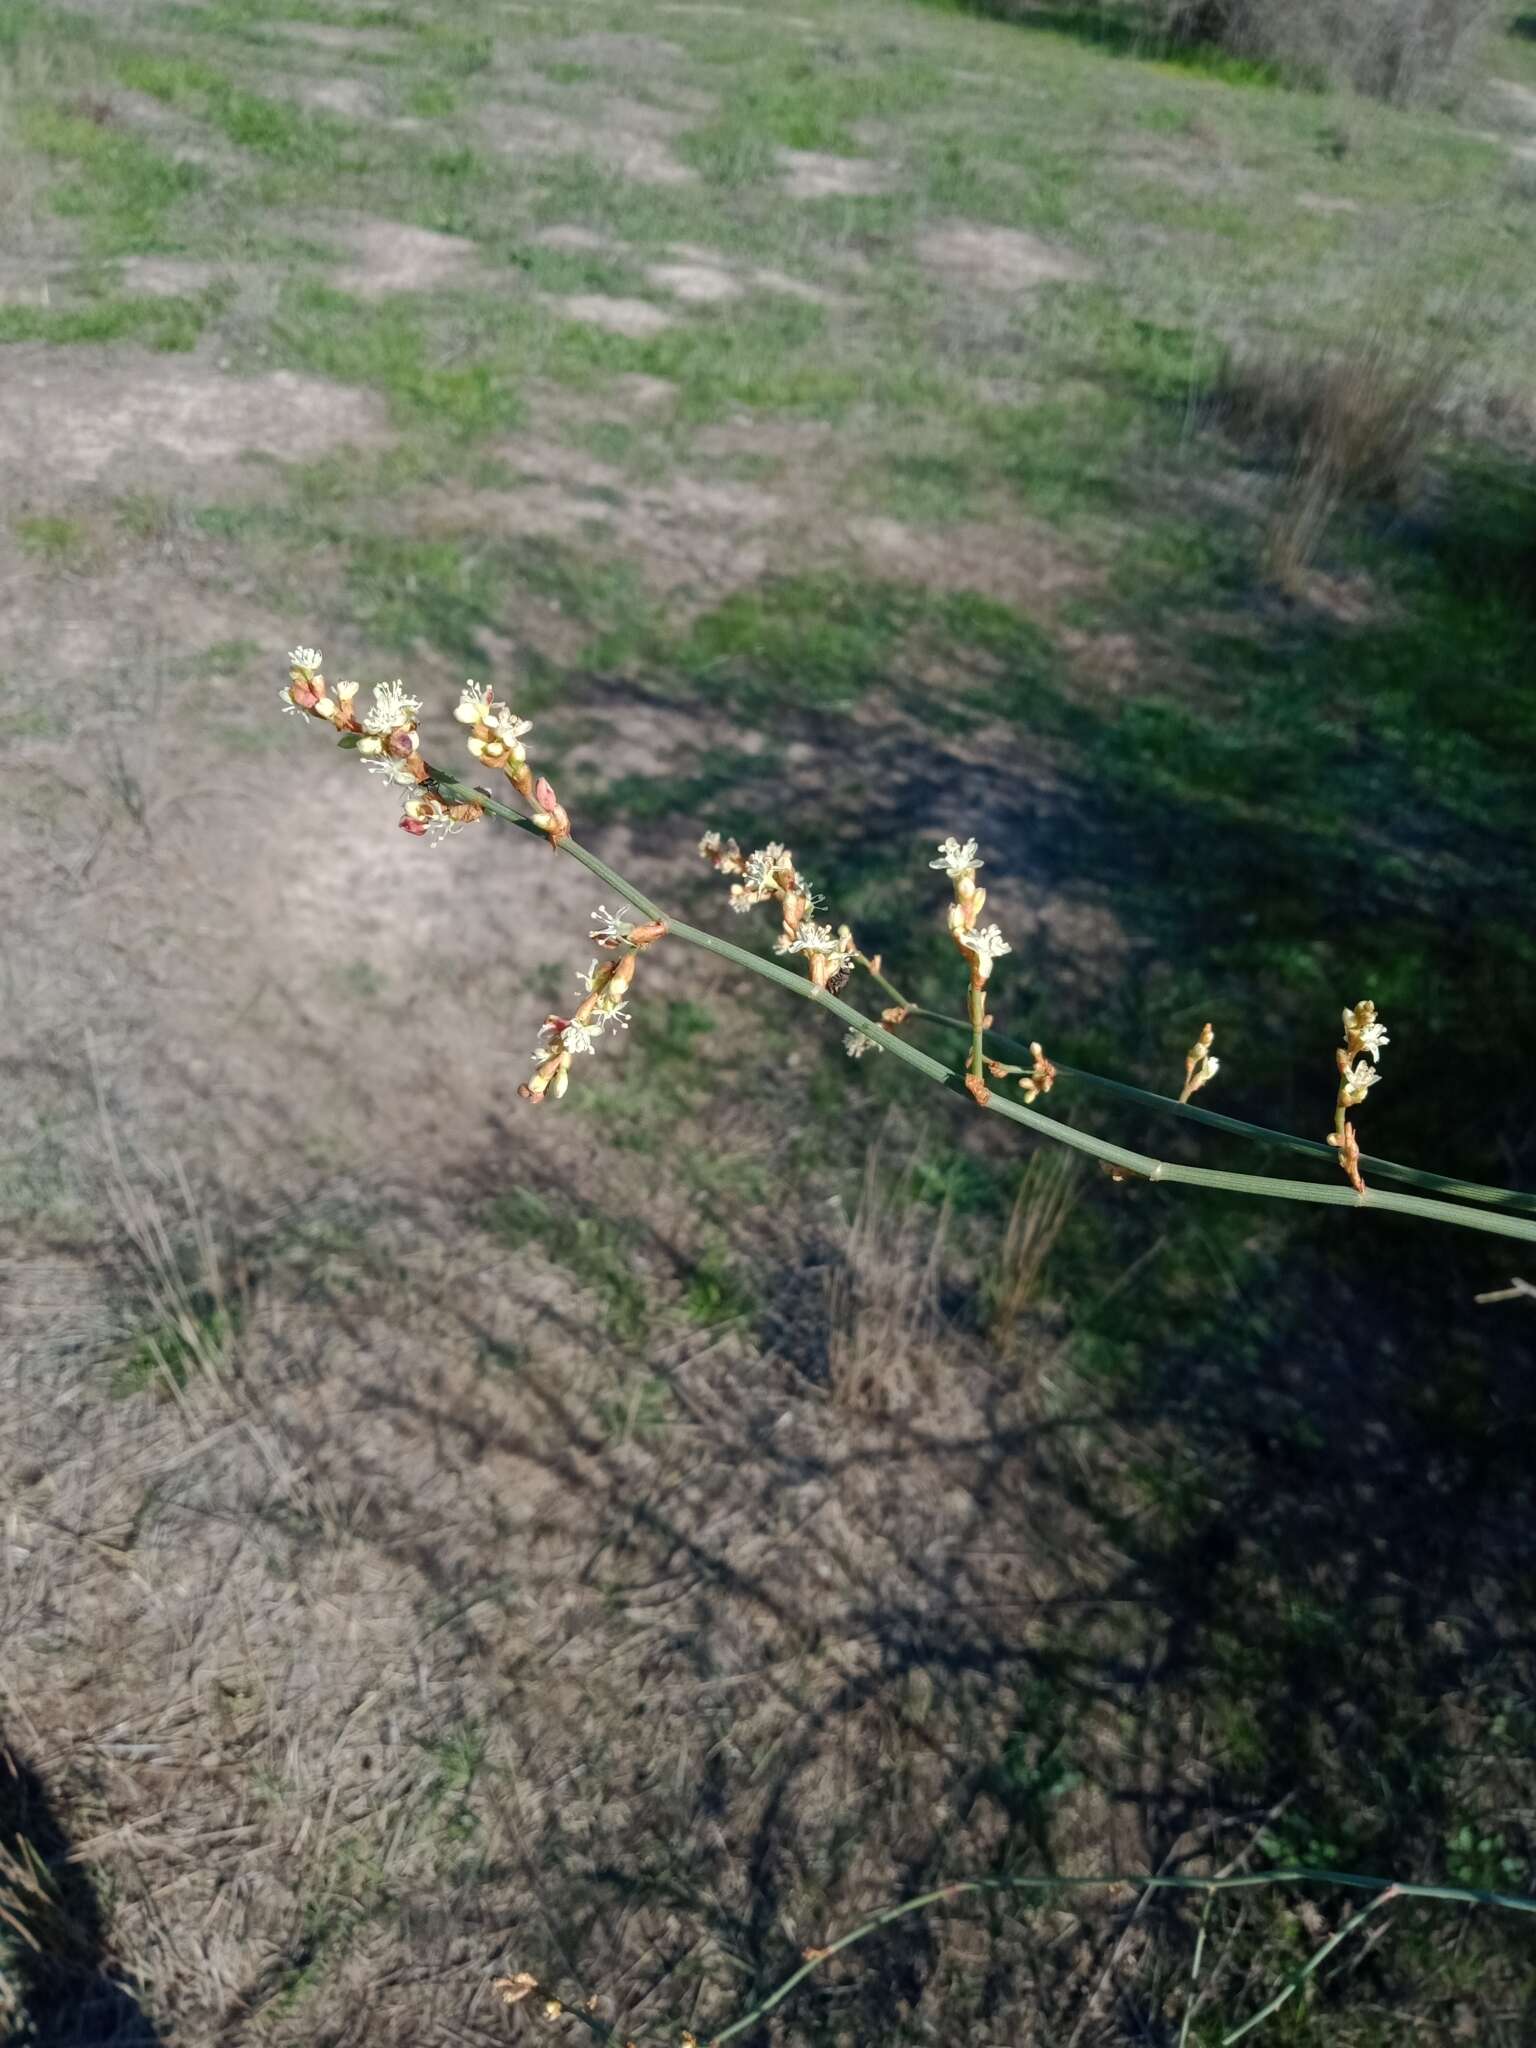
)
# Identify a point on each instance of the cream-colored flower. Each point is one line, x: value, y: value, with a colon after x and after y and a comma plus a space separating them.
x: 427, y: 817
x: 761, y: 872
x: 1357, y: 1081
x: 987, y: 944
x: 475, y: 700
x: 1364, y: 1031
x: 391, y: 769
x: 393, y: 710
x: 305, y: 658
x: 569, y: 1036
x: 813, y: 938
x: 857, y: 1043
x: 955, y: 859
x: 722, y: 854
x: 610, y: 927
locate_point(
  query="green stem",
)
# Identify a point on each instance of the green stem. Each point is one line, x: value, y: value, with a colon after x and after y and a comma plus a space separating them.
x: 1140, y: 1164
x: 1310, y: 1968
x: 1386, y: 1887
x: 1382, y: 1169
x: 890, y: 987
x: 1194, y: 1972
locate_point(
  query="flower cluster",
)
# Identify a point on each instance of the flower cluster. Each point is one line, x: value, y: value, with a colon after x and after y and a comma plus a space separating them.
x: 1356, y: 1059
x: 982, y: 945
x: 604, y: 1005
x: 385, y: 737
x: 496, y: 741
x: 1200, y: 1064
x: 1041, y: 1078
x: 770, y: 875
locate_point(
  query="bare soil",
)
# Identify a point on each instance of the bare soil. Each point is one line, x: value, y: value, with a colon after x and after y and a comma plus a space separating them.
x: 997, y: 259
x: 109, y: 416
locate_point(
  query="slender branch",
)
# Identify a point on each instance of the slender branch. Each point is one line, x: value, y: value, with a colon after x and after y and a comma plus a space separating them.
x: 1314, y: 1148
x: 1310, y: 1968
x: 889, y: 986
x: 1139, y: 1164
x: 1248, y: 1880
x: 1194, y: 1973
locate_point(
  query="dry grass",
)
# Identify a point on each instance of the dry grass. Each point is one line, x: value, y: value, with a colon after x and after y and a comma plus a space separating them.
x: 883, y: 1295
x: 1047, y: 1192
x: 1355, y: 426
x: 453, y: 1680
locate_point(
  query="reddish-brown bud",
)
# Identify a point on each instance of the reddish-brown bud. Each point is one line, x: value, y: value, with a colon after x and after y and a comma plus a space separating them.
x: 399, y: 744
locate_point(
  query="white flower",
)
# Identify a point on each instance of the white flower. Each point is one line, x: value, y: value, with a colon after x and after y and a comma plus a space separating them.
x: 509, y: 727
x: 1211, y: 1068
x: 1357, y: 1080
x: 955, y: 859
x: 393, y: 710
x: 762, y: 869
x: 347, y: 691
x: 611, y: 927
x: 615, y: 1013
x: 1364, y: 1031
x: 813, y: 938
x: 391, y: 769
x: 372, y: 744
x: 575, y: 1037
x: 584, y: 981
x: 473, y: 704
x: 857, y: 1043
x: 306, y: 658
x: 988, y: 944
x: 429, y: 812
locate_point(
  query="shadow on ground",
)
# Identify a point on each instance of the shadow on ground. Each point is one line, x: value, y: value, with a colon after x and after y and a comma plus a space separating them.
x: 59, y: 1953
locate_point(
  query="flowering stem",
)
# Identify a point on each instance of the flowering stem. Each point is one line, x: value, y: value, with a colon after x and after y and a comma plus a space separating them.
x: 978, y: 1027
x: 1213, y: 1119
x: 1138, y: 1164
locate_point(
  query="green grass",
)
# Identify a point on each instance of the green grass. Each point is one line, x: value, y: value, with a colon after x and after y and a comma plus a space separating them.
x: 163, y: 1358
x: 127, y: 196
x: 172, y: 324
x: 52, y: 537
x: 393, y: 350
x: 594, y: 1250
